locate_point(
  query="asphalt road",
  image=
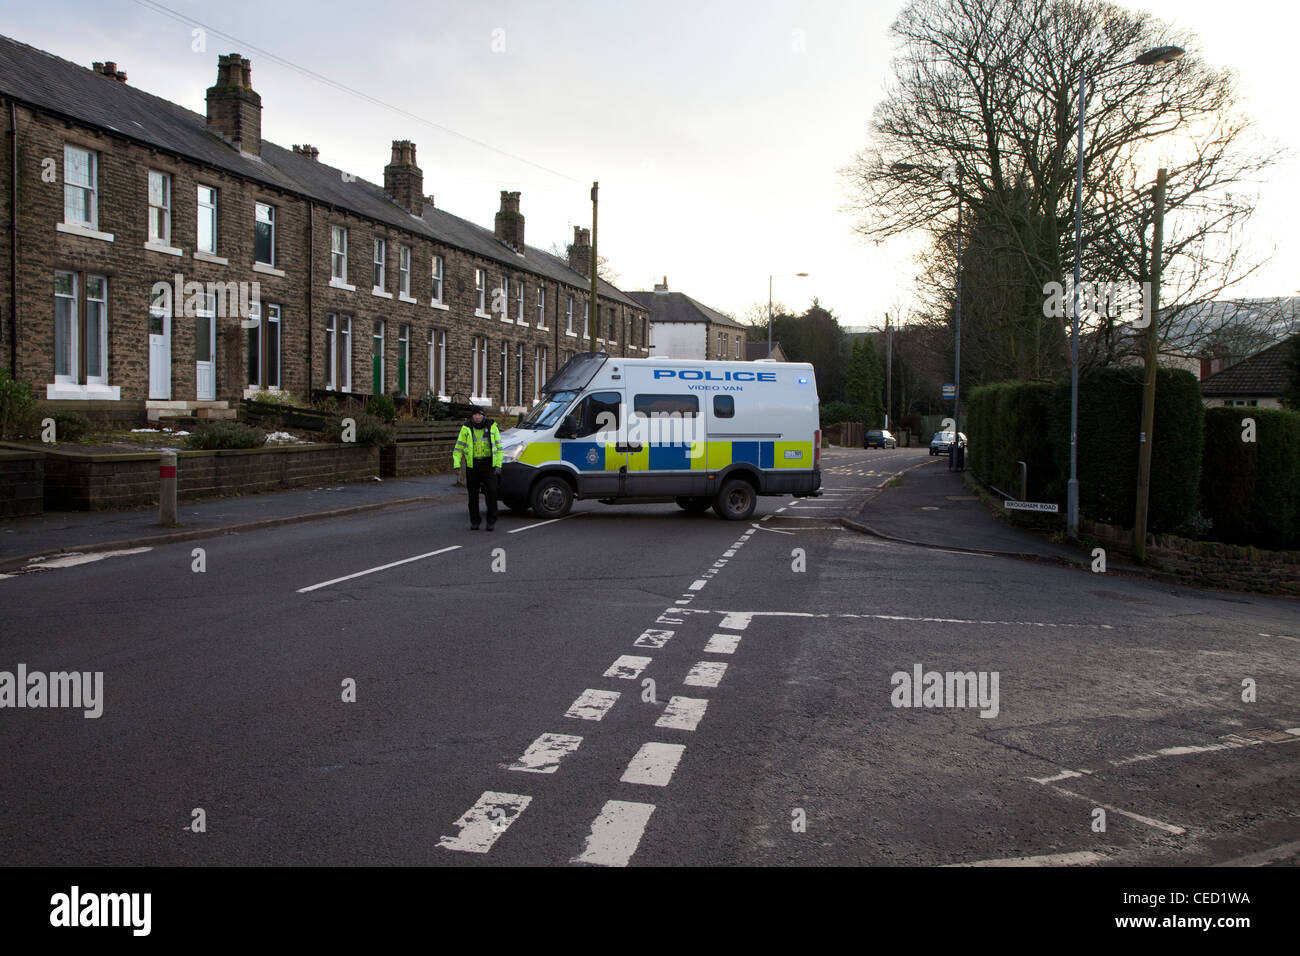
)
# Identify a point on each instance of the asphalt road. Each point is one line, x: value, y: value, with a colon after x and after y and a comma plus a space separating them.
x: 639, y: 686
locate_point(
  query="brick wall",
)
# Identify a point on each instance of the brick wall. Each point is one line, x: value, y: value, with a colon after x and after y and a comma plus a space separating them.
x: 77, y: 482
x: 22, y: 481
x: 416, y: 458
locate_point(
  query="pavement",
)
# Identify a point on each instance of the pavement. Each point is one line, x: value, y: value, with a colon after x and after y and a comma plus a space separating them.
x: 932, y: 507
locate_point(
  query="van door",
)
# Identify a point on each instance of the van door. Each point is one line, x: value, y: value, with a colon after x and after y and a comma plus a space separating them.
x: 594, y: 449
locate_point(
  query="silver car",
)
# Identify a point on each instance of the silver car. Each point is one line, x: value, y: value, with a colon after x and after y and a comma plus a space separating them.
x: 941, y: 443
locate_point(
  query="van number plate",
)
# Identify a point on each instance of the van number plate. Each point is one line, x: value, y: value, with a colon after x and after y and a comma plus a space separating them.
x: 793, y: 454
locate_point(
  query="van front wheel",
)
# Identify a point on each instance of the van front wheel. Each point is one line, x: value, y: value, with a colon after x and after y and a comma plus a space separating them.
x: 735, y: 500
x: 551, y: 497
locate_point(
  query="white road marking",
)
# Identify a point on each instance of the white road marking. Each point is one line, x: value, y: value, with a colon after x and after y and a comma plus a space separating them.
x: 898, y: 617
x: 654, y: 764
x: 382, y: 567
x: 687, y: 601
x: 482, y: 824
x: 705, y: 674
x: 736, y: 620
x: 538, y: 524
x: 722, y: 644
x: 1149, y: 821
x: 776, y: 531
x: 653, y: 638
x: 1184, y: 751
x: 1283, y: 637
x: 615, y: 834
x: 1265, y: 857
x: 74, y: 558
x: 696, y: 585
x: 546, y: 752
x: 683, y: 713
x: 729, y: 554
x: 1081, y: 858
x: 1063, y: 775
x: 779, y: 510
x: 592, y: 704
x: 627, y: 667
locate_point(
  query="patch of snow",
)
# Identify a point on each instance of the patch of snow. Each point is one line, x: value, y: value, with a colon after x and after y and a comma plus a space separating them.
x: 284, y: 437
x: 146, y: 429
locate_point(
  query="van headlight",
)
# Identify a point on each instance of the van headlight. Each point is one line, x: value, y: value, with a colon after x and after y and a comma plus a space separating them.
x: 512, y: 452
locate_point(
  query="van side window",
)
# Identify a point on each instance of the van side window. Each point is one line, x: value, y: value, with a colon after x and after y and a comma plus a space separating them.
x: 651, y: 406
x: 724, y: 406
x: 599, y: 412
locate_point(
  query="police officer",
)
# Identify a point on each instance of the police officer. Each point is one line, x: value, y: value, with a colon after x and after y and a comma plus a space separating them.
x: 479, y: 446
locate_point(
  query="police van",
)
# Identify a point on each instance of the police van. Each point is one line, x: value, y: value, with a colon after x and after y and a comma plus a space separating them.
x: 634, y: 431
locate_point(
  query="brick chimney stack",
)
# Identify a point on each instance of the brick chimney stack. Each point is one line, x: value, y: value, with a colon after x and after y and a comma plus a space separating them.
x: 110, y: 70
x: 661, y: 288
x: 403, y: 180
x: 510, y: 221
x: 580, y: 251
x: 308, y: 150
x: 234, y: 109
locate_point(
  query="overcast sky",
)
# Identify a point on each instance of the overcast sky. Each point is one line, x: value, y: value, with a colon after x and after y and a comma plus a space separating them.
x: 716, y: 129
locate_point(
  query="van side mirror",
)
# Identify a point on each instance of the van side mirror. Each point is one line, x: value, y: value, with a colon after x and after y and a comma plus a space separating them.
x: 570, y: 427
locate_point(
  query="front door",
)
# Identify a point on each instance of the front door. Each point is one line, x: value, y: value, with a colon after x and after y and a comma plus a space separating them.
x: 377, y: 383
x: 205, y: 365
x: 160, y: 355
x: 595, y: 452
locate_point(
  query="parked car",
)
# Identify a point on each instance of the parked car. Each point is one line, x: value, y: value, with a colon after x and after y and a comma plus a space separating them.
x: 879, y: 438
x: 942, y: 442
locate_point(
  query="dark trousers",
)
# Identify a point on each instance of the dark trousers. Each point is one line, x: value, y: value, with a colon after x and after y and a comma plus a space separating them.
x: 481, y: 477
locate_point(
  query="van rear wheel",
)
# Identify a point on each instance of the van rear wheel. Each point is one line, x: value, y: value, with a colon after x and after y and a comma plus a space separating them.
x: 694, y: 504
x: 735, y: 500
x: 551, y: 497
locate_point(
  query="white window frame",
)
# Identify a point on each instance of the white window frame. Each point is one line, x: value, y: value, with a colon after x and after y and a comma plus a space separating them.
x: 339, y: 255
x: 480, y: 293
x: 504, y: 289
x: 161, y: 212
x: 568, y: 317
x: 586, y: 320
x: 73, y: 372
x: 438, y: 362
x: 381, y: 266
x: 338, y: 344
x: 266, y: 318
x: 539, y: 371
x: 519, y: 304
x: 89, y: 189
x: 505, y: 371
x: 436, y: 275
x: 404, y: 273
x: 270, y: 220
x: 478, y: 364
x: 200, y: 206
x: 541, y: 306
x: 519, y: 373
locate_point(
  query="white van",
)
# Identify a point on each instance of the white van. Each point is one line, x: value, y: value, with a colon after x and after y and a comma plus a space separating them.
x: 632, y: 431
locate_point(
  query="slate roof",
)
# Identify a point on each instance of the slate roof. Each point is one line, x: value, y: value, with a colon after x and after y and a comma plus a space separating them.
x: 680, y: 307
x: 1263, y: 374
x: 758, y: 350
x: 59, y: 86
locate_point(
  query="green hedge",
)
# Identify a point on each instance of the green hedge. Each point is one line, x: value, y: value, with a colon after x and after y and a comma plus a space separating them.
x: 1251, y: 490
x: 1028, y: 421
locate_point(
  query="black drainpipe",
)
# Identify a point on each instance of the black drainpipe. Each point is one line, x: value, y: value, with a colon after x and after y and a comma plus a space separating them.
x: 311, y: 277
x: 13, y: 243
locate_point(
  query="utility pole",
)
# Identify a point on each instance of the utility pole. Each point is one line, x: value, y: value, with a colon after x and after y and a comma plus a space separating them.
x: 594, y: 309
x: 889, y: 373
x: 1146, y: 439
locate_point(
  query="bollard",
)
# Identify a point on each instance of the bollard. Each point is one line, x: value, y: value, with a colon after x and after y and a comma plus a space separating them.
x: 167, y: 489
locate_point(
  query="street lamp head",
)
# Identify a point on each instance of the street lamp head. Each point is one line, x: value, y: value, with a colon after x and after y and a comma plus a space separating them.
x: 1160, y: 55
x: 801, y: 275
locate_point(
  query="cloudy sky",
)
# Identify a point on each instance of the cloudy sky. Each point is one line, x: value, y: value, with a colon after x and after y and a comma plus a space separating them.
x: 715, y: 128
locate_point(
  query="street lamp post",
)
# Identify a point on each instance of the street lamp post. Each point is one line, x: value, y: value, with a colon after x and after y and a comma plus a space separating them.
x: 1153, y: 57
x: 788, y: 275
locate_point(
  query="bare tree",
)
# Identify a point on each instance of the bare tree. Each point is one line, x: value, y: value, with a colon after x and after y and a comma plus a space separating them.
x: 983, y: 106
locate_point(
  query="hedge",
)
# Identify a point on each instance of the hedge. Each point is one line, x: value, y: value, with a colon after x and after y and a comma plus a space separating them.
x: 1251, y: 490
x: 1028, y: 421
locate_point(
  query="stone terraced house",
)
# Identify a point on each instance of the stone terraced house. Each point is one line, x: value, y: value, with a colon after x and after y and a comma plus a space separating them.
x: 135, y: 230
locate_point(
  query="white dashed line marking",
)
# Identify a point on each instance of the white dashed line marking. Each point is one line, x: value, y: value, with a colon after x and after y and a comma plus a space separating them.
x: 1149, y: 821
x: 696, y: 585
x: 705, y: 674
x: 538, y: 524
x: 593, y: 704
x: 627, y: 667
x: 736, y: 620
x: 722, y: 644
x: 482, y: 824
x: 616, y: 833
x: 546, y: 752
x: 654, y: 764
x: 683, y: 713
x: 653, y: 638
x: 382, y: 567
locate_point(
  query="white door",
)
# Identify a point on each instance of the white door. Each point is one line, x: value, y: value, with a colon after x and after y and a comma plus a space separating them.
x: 160, y: 355
x: 204, y: 358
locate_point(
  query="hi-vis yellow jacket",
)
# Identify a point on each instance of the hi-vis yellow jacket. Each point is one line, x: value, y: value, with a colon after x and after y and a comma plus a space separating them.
x: 477, y: 444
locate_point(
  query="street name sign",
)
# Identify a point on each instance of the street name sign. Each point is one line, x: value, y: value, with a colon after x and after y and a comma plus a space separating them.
x: 1049, y: 506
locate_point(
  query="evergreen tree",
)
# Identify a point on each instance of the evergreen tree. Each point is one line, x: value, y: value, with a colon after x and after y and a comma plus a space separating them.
x: 866, y: 382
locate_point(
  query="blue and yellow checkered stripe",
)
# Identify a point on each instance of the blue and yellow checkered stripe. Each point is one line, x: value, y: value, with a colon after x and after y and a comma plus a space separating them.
x: 703, y: 455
